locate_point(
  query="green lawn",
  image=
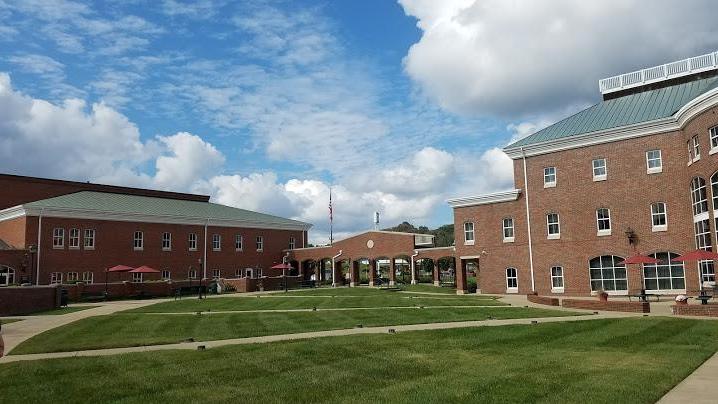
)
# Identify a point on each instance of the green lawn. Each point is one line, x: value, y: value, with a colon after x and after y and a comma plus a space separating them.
x: 61, y: 310
x: 601, y: 361
x: 428, y: 289
x: 307, y: 301
x: 133, y: 329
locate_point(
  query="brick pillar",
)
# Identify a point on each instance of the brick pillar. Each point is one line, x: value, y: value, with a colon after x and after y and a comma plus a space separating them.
x: 461, y: 287
x: 634, y: 272
x: 437, y: 274
x: 354, y: 274
x: 337, y: 279
x: 392, y: 272
x: 372, y: 271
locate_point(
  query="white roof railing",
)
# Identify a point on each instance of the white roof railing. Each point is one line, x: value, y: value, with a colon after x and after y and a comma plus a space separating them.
x: 680, y: 68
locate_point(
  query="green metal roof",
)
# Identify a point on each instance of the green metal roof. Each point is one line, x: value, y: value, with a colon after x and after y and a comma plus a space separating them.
x: 133, y: 205
x: 627, y: 110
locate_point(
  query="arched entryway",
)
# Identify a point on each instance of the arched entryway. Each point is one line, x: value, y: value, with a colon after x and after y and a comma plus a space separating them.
x: 425, y: 270
x: 446, y: 271
x: 7, y: 275
x: 402, y: 268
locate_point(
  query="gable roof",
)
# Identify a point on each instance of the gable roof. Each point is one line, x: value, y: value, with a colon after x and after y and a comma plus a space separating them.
x: 123, y: 207
x: 623, y: 111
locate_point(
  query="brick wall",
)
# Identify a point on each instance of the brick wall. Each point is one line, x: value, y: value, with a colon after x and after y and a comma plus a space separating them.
x: 549, y: 301
x: 630, y: 307
x: 707, y: 310
x: 25, y: 300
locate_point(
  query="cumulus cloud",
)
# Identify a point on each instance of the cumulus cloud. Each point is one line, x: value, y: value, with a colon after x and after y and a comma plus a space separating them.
x: 524, y: 58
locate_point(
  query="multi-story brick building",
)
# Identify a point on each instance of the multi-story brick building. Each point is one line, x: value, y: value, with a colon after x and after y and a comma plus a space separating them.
x: 635, y: 173
x: 60, y: 231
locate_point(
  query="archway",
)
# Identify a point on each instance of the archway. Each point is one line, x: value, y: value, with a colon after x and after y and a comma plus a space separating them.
x: 309, y: 270
x: 383, y: 268
x: 402, y: 268
x: 446, y: 267
x: 324, y: 270
x: 425, y: 270
x: 294, y: 271
x: 364, y: 270
x: 7, y: 275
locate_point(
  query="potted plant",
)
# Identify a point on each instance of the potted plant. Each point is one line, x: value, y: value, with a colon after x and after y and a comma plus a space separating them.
x: 602, y: 295
x: 682, y: 299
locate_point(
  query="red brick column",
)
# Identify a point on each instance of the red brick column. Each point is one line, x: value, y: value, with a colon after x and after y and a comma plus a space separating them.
x: 337, y: 279
x: 392, y: 273
x: 461, y: 287
x: 354, y: 271
x: 634, y: 272
x: 372, y: 271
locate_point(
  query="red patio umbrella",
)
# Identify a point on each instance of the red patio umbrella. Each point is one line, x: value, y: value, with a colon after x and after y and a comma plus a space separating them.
x: 144, y: 269
x: 697, y: 255
x: 283, y: 267
x: 116, y: 268
x: 640, y: 259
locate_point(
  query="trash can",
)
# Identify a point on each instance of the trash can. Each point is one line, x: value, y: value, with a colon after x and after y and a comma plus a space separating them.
x: 63, y: 298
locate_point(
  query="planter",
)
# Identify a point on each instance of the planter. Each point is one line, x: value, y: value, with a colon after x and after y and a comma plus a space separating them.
x: 603, y: 296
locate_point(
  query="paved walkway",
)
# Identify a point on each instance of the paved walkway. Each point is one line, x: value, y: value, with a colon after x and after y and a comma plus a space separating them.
x: 308, y: 335
x: 700, y: 387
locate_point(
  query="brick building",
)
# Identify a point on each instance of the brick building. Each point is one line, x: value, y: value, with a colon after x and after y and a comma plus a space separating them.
x: 61, y: 231
x: 635, y: 173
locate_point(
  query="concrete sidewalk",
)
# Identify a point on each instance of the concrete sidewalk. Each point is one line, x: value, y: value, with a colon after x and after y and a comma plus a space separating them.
x: 308, y: 335
x: 700, y: 387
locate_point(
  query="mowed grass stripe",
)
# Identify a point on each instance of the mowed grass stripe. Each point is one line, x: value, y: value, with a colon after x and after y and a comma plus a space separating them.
x: 598, y: 361
x: 124, y: 330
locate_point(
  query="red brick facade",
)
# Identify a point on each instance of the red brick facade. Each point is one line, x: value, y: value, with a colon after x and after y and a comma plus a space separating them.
x: 628, y: 192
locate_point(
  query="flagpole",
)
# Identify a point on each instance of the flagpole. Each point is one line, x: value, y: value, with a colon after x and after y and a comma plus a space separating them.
x: 331, y: 219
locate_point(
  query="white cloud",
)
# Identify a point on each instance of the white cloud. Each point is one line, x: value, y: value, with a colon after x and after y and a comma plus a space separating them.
x: 523, y: 58
x: 188, y: 159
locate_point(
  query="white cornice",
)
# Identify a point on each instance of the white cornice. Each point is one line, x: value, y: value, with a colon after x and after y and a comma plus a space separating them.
x: 21, y: 210
x: 496, y: 197
x: 663, y: 125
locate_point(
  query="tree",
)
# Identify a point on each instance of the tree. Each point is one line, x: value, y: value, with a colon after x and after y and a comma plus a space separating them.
x: 443, y: 235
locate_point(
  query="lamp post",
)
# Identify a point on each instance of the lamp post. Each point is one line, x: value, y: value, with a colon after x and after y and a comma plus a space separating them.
x: 32, y: 249
x: 284, y: 272
x: 199, y: 293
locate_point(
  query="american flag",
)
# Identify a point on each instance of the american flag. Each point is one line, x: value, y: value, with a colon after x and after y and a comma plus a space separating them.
x: 331, y: 219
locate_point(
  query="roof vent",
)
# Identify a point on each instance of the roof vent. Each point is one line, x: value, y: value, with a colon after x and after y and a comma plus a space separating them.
x: 681, y: 68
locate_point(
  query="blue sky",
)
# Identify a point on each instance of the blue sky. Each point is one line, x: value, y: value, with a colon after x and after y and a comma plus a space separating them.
x: 266, y: 104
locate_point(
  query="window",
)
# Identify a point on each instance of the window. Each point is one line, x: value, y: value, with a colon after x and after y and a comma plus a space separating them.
x: 216, y: 242
x: 603, y: 221
x: 238, y: 242
x: 654, y: 162
x: 238, y: 273
x: 699, y: 196
x: 694, y: 149
x: 7, y: 275
x: 666, y: 275
x: 58, y: 238
x: 136, y: 277
x: 72, y: 277
x: 192, y: 241
x: 166, y: 241
x: 607, y: 274
x: 713, y: 133
x: 166, y: 274
x: 192, y: 274
x: 469, y: 233
x: 260, y: 243
x: 139, y: 242
x: 549, y: 177
x: 292, y: 243
x: 659, y: 217
x: 599, y: 169
x: 557, y: 279
x: 553, y: 226
x: 55, y: 277
x: 704, y: 242
x: 512, y: 280
x: 89, y: 239
x: 88, y: 277
x: 216, y: 273
x: 74, y: 239
x: 714, y: 186
x: 508, y: 227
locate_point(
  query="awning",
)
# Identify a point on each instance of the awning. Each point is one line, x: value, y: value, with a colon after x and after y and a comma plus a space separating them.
x: 282, y: 266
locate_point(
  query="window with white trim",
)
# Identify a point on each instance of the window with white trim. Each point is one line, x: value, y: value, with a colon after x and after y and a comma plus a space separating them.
x: 216, y: 274
x: 699, y: 196
x: 55, y: 277
x: 603, y: 221
x: 553, y: 226
x: 695, y: 148
x: 654, y: 161
x: 192, y: 274
x: 166, y: 241
x: 88, y: 277
x: 659, y: 217
x: 600, y: 170
x: 137, y: 277
x: 58, y: 238
x: 89, y: 239
x: 216, y: 242
x: 138, y: 241
x: 705, y: 242
x: 192, y: 241
x: 666, y: 275
x: 713, y: 133
x: 292, y: 243
x: 239, y: 273
x: 512, y: 280
x: 260, y: 243
x: 166, y: 274
x: 557, y: 278
x: 74, y: 239
x: 469, y: 233
x: 238, y: 242
x: 607, y: 274
x: 508, y: 228
x: 549, y: 177
x: 72, y: 277
x: 714, y: 187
